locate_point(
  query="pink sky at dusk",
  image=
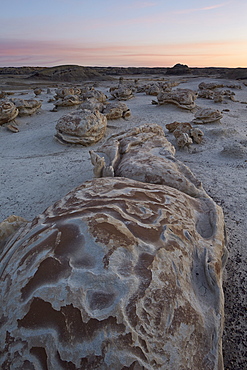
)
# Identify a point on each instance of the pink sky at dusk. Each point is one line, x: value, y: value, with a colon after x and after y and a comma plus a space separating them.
x: 132, y: 33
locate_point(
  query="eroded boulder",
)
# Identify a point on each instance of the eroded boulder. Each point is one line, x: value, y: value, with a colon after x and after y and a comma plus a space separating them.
x: 8, y: 111
x: 207, y: 115
x: 182, y: 98
x: 144, y: 154
x: 118, y: 274
x: 92, y: 93
x: 26, y: 107
x: 116, y: 111
x: 81, y: 127
x: 122, y: 92
x: 65, y: 91
x: 68, y: 101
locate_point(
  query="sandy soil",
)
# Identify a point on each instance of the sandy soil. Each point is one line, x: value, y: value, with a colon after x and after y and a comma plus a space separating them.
x: 36, y: 171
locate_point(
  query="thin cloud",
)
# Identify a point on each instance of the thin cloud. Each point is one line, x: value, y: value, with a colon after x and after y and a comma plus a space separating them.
x: 14, y: 52
x: 187, y: 11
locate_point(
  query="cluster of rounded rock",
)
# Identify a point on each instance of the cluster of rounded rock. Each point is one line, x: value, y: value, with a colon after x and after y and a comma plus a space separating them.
x: 124, y: 272
x: 10, y: 109
x: 88, y: 123
x: 84, y: 126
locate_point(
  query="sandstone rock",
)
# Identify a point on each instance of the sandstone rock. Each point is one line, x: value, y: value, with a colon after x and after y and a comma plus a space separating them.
x: 197, y: 135
x: 217, y: 95
x: 12, y: 128
x: 116, y: 111
x: 92, y: 104
x: 116, y: 275
x: 153, y: 89
x: 183, y: 98
x: 168, y: 85
x: 183, y: 139
x: 61, y: 93
x: 8, y: 111
x: 144, y: 154
x: 210, y: 85
x: 207, y: 115
x: 81, y: 127
x: 68, y: 101
x: 206, y: 94
x: 26, y: 107
x: 3, y: 94
x: 37, y: 91
x: 8, y: 227
x: 122, y: 93
x: 92, y: 93
x: 182, y: 126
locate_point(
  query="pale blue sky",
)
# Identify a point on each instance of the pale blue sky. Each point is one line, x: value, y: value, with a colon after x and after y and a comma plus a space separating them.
x: 128, y: 33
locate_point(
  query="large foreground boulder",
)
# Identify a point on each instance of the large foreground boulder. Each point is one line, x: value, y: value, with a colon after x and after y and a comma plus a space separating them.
x: 118, y: 274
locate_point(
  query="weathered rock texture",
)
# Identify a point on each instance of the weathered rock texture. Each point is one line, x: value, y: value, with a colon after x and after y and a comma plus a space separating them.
x: 63, y: 92
x: 81, y: 127
x: 27, y: 107
x: 92, y: 93
x: 68, y: 101
x: 184, y: 133
x: 119, y: 274
x: 183, y: 98
x: 9, y: 226
x: 116, y: 111
x: 207, y: 115
x: 122, y: 92
x: 8, y: 111
x: 144, y: 154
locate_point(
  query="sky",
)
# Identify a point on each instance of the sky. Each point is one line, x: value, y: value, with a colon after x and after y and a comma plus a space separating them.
x: 152, y: 33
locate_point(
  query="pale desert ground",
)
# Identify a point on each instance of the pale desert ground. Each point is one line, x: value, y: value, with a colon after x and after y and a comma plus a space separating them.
x: 36, y: 170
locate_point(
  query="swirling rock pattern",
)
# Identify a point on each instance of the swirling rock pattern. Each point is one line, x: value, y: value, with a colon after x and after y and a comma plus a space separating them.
x: 8, y: 111
x: 9, y: 226
x: 118, y: 274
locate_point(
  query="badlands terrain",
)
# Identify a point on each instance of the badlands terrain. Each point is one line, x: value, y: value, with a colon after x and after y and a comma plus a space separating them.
x: 37, y: 170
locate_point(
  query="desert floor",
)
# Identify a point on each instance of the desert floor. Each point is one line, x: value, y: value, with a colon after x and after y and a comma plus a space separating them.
x: 36, y: 170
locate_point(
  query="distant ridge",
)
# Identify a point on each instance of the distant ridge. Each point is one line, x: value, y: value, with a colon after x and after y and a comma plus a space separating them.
x: 77, y: 73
